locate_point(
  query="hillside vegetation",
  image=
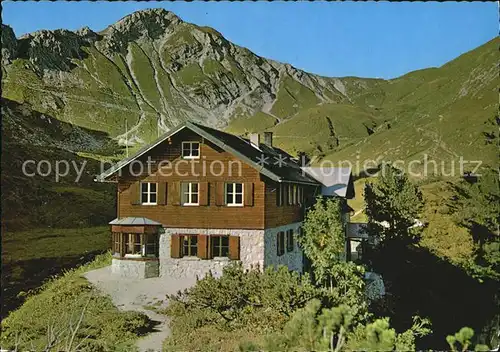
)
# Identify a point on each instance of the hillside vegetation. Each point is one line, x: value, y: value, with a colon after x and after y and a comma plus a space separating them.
x: 30, y: 257
x: 34, y: 192
x: 152, y: 70
x: 68, y: 314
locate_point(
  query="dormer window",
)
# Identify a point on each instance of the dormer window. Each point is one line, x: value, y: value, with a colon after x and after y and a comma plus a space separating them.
x: 190, y: 150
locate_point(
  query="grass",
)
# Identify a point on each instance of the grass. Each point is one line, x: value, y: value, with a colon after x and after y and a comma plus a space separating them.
x: 258, y: 122
x: 293, y: 96
x: 358, y: 202
x: 323, y: 128
x: 144, y: 73
x: 51, y: 316
x: 191, y: 74
x: 443, y: 236
x: 53, y: 243
x: 31, y: 257
x: 212, y: 67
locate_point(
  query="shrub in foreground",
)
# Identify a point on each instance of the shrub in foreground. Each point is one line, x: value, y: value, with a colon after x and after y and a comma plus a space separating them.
x: 240, y: 306
x: 67, y: 314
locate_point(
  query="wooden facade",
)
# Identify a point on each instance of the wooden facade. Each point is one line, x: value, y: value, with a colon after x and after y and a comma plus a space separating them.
x: 211, y: 171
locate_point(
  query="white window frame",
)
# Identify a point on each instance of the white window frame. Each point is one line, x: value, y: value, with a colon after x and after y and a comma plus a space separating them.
x: 233, y: 203
x: 190, y: 143
x: 190, y: 193
x: 148, y: 192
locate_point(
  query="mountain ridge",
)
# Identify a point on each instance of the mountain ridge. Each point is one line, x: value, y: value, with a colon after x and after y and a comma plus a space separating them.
x: 154, y: 70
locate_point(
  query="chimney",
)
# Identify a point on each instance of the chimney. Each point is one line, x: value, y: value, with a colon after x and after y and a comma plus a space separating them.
x: 255, y: 139
x: 268, y: 139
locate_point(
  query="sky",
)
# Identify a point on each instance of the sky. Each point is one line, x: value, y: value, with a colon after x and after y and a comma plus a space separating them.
x: 365, y: 39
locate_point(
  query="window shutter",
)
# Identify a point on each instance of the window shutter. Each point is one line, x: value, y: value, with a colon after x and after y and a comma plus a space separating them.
x: 234, y: 247
x: 284, y: 189
x: 175, y: 246
x: 175, y: 193
x: 203, y: 241
x: 162, y: 193
x: 134, y: 194
x: 278, y: 244
x: 289, y: 241
x: 248, y: 194
x: 278, y: 195
x: 219, y: 193
x: 203, y: 193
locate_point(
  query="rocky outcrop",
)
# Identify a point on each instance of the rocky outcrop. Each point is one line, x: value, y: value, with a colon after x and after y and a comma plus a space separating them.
x: 169, y: 69
x: 9, y: 45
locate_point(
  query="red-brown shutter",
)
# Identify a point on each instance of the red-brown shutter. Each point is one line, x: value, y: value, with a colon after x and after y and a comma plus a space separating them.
x: 175, y: 192
x: 234, y: 247
x: 134, y: 194
x: 219, y: 193
x: 203, y: 241
x: 162, y: 193
x: 248, y: 194
x: 175, y: 246
x: 284, y: 189
x: 203, y: 193
x: 278, y: 195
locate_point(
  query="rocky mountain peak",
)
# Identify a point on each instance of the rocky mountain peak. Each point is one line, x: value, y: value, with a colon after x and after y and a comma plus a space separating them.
x: 54, y: 49
x: 9, y: 44
x: 141, y: 25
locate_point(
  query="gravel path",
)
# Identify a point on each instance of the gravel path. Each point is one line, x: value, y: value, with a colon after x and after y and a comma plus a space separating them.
x: 134, y: 294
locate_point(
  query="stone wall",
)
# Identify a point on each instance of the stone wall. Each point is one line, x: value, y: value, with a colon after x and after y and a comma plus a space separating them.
x: 135, y: 268
x: 257, y: 249
x: 251, y: 253
x: 293, y: 259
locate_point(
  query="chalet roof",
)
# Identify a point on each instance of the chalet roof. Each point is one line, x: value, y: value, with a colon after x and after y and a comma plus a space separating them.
x: 286, y: 171
x: 133, y: 221
x: 335, y: 181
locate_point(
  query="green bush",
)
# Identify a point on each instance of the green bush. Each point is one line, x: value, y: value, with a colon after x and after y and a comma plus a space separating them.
x: 67, y: 313
x: 246, y: 303
x: 315, y: 329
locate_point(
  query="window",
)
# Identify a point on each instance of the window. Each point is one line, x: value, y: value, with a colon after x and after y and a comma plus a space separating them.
x: 190, y: 150
x: 189, y: 245
x: 301, y: 195
x: 189, y: 193
x: 280, y: 243
x: 133, y: 243
x: 289, y: 241
x: 220, y: 246
x: 234, y: 194
x: 295, y: 194
x: 148, y: 193
x: 290, y: 194
x: 152, y: 245
x: 116, y: 242
x: 300, y: 233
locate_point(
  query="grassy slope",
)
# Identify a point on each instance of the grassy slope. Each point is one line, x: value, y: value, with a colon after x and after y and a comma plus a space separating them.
x: 36, y: 201
x: 59, y: 304
x: 441, y: 112
x: 410, y: 116
x: 242, y: 124
x: 322, y: 128
x: 30, y: 257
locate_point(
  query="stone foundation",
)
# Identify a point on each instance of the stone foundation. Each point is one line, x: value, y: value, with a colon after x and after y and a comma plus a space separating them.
x: 136, y: 269
x: 293, y: 259
x: 251, y: 253
x: 257, y: 249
